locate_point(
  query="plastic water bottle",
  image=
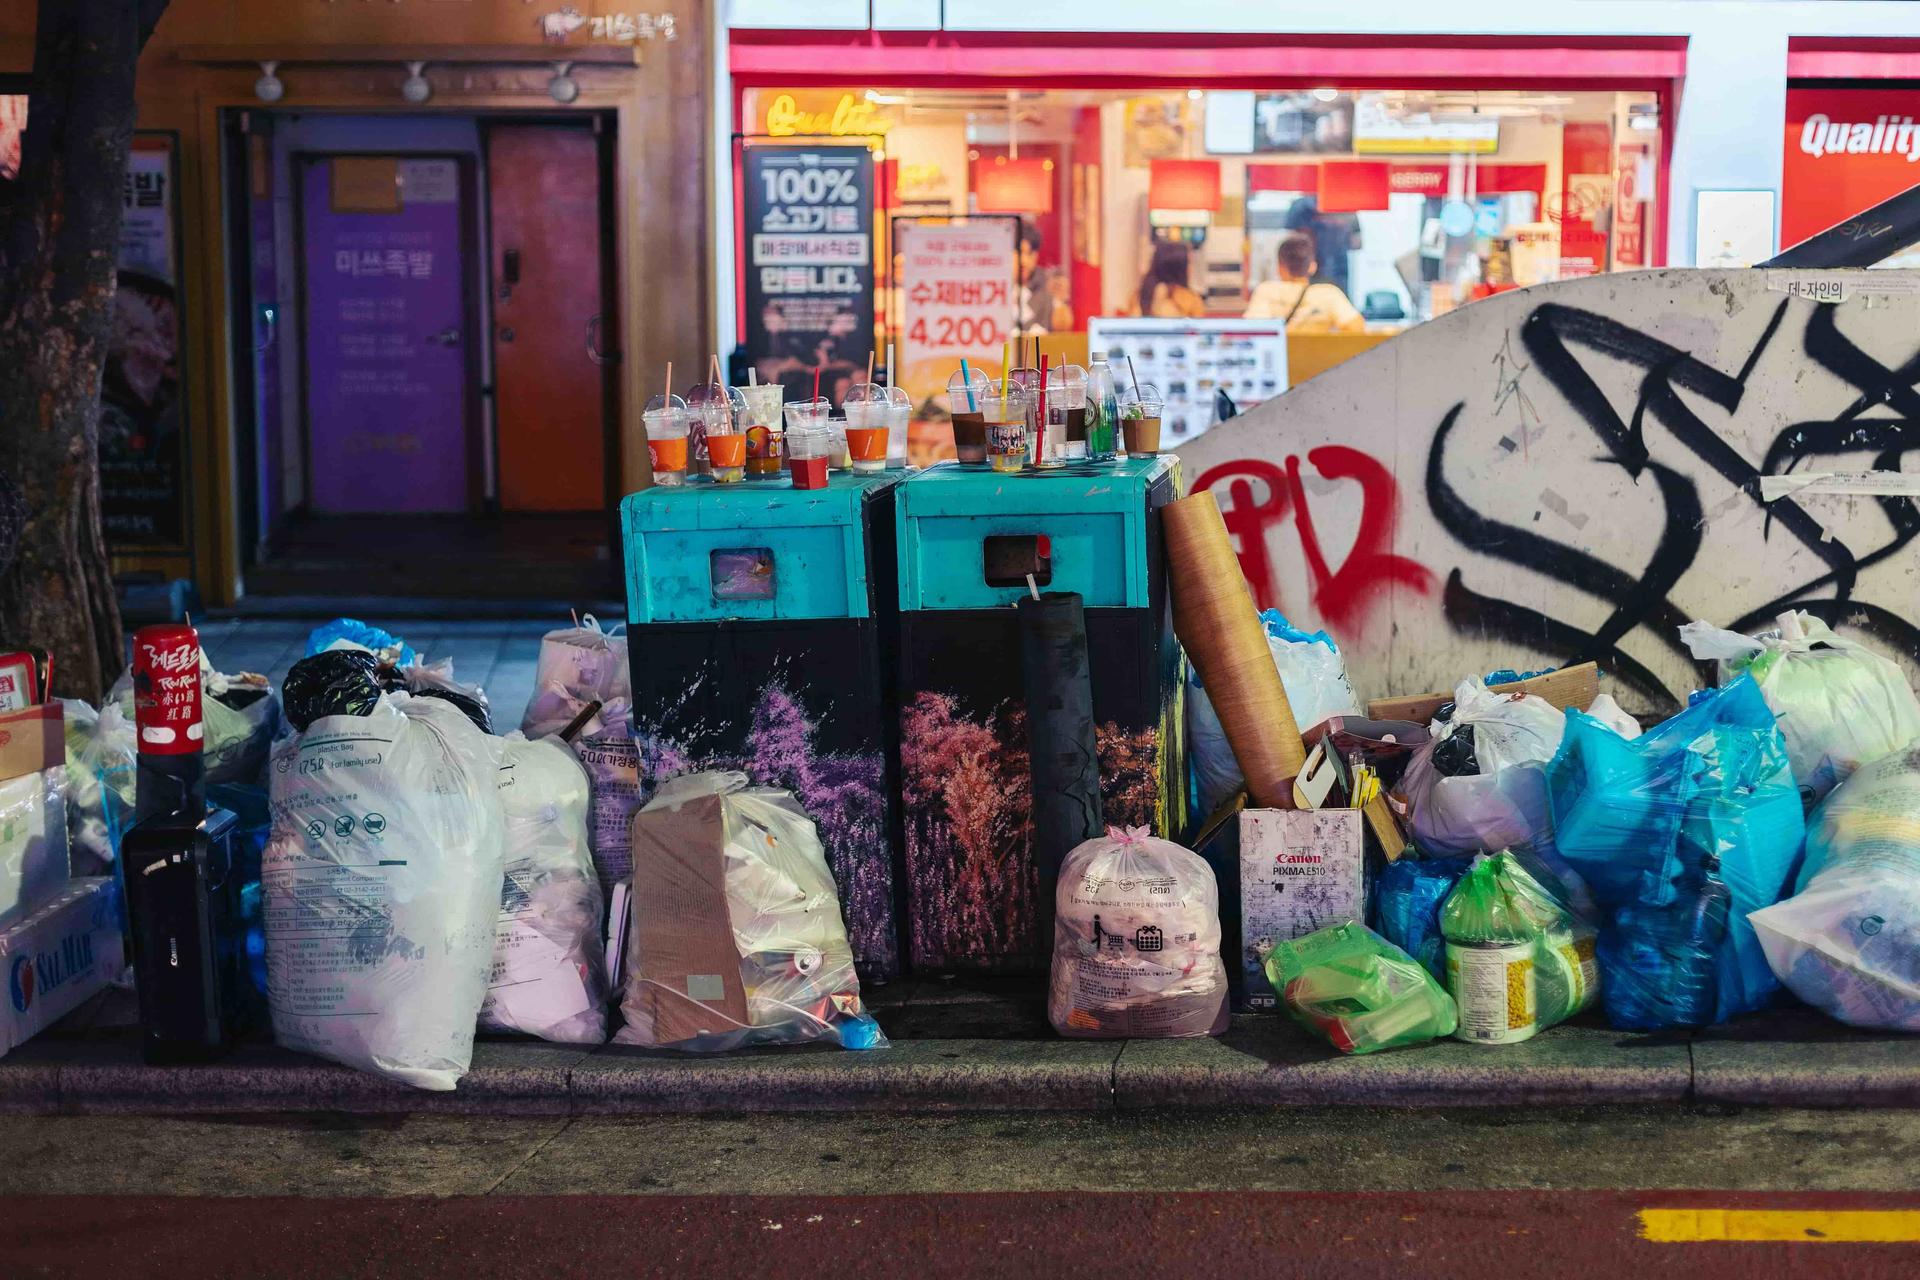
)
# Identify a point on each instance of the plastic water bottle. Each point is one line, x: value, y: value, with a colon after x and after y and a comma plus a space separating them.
x: 1103, y: 412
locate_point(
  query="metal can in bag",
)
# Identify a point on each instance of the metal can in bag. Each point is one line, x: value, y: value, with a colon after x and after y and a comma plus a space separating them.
x: 1495, y: 987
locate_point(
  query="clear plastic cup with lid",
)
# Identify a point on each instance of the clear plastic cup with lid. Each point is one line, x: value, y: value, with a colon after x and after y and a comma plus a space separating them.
x: 964, y: 395
x: 866, y: 427
x: 721, y: 412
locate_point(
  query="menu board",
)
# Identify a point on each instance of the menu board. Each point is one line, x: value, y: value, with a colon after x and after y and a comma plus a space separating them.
x: 143, y: 476
x: 809, y: 278
x: 1190, y: 360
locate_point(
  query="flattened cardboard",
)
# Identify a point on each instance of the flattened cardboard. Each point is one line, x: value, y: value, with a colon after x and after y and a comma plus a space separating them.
x: 683, y: 968
x: 1574, y: 687
x: 32, y: 740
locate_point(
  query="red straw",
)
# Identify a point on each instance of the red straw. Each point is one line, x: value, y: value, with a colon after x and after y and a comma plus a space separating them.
x: 816, y: 382
x: 1040, y: 434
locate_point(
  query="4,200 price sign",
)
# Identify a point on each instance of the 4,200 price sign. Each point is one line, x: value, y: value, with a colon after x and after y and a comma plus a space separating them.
x: 958, y: 299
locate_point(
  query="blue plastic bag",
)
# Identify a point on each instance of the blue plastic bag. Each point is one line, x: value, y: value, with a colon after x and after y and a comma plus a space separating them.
x: 382, y: 644
x: 1680, y: 833
x: 1407, y: 901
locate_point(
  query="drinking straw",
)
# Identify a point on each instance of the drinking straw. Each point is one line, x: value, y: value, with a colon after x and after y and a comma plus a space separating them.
x: 667, y: 401
x: 1135, y: 377
x: 1040, y: 420
x: 1006, y: 359
x: 753, y: 375
x: 966, y: 380
x: 871, y: 351
x: 816, y: 382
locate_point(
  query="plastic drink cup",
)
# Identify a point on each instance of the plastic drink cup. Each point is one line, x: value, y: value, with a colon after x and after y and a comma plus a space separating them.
x: 1005, y: 419
x: 837, y: 459
x: 807, y: 454
x: 1067, y: 413
x: 727, y: 452
x: 1140, y: 421
x: 666, y: 424
x: 899, y: 422
x: 763, y: 403
x: 969, y: 424
x: 866, y: 428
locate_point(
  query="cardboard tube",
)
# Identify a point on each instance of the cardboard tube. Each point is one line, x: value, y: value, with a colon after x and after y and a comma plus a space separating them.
x: 1214, y: 617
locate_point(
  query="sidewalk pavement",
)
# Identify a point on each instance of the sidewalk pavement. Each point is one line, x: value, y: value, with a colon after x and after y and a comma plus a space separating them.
x: 986, y: 1047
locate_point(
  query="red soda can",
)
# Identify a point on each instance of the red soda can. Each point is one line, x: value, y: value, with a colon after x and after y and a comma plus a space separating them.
x: 166, y: 689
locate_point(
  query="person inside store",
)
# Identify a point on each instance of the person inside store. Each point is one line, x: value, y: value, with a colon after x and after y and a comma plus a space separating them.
x: 1164, y: 293
x: 1043, y: 303
x: 1296, y: 299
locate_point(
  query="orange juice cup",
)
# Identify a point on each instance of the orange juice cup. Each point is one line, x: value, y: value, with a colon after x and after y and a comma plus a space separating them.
x: 727, y: 452
x: 667, y: 444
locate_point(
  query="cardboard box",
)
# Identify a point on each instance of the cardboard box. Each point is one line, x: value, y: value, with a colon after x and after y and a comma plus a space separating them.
x: 682, y: 936
x: 1300, y: 870
x: 1574, y: 687
x: 32, y: 740
x: 58, y: 957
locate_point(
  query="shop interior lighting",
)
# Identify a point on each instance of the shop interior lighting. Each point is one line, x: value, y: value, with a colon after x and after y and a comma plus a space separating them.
x: 415, y: 88
x: 563, y: 88
x: 269, y: 88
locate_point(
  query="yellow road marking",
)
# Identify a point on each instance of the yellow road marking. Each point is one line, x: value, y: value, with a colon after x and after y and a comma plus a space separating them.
x: 1846, y: 1226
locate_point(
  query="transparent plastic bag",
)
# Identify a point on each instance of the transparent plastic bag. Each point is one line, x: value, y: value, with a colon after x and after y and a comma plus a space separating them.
x: 1136, y: 941
x: 34, y: 860
x: 1848, y: 941
x: 351, y: 633
x: 382, y: 877
x: 1680, y: 833
x: 1840, y: 705
x: 577, y: 665
x: 1359, y: 991
x: 549, y: 966
x: 101, y: 758
x: 1519, y: 958
x: 435, y: 680
x: 611, y: 756
x: 1315, y: 679
x: 240, y: 717
x: 737, y: 937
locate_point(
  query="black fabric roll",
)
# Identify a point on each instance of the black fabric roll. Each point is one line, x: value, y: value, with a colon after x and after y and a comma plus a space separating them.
x: 1063, y: 751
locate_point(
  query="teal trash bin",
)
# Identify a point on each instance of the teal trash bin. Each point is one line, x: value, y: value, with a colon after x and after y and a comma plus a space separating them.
x: 968, y: 537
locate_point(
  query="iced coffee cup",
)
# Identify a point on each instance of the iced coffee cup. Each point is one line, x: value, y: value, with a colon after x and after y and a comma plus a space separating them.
x: 1067, y: 413
x: 1140, y: 420
x: 666, y: 422
x: 866, y: 408
x: 763, y: 402
x: 964, y: 395
x: 1004, y: 421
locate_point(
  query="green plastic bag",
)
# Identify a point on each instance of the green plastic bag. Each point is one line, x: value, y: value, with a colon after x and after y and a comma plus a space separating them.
x: 1359, y: 991
x: 1519, y: 959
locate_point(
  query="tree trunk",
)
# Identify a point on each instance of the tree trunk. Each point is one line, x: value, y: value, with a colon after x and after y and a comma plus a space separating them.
x: 59, y: 245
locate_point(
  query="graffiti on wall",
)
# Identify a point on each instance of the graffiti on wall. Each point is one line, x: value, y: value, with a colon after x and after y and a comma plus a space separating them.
x: 1572, y: 472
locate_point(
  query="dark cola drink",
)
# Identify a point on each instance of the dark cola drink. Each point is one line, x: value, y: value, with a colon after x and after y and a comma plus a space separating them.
x: 177, y: 861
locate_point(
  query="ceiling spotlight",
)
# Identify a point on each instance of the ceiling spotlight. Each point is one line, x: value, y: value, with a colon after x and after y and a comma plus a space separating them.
x: 563, y: 88
x: 268, y: 87
x: 415, y: 88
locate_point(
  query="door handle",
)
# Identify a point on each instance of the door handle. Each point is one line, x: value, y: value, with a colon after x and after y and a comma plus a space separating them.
x: 594, y: 353
x: 446, y: 338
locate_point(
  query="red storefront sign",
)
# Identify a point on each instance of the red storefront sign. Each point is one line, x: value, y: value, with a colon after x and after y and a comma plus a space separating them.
x: 1846, y: 151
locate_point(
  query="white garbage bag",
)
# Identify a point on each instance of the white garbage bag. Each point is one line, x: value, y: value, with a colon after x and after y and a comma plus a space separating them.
x: 1315, y: 679
x: 549, y: 969
x: 382, y: 878
x: 577, y: 665
x: 1848, y: 940
x: 1840, y: 704
x: 1136, y: 941
x: 737, y: 937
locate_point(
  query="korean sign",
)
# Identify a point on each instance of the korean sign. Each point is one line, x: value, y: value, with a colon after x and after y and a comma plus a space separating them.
x: 957, y: 298
x: 809, y: 269
x: 143, y: 475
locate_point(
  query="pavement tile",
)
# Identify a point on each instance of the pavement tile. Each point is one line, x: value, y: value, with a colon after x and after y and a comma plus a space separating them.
x: 1799, y: 1057
x: 1264, y: 1059
x: 910, y: 1075
x: 108, y: 1076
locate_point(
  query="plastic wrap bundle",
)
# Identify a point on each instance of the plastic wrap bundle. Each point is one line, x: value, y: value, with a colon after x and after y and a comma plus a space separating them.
x: 35, y: 863
x: 1406, y: 904
x: 1359, y: 991
x: 1848, y: 940
x: 737, y: 935
x: 1136, y: 941
x: 1840, y: 705
x: 100, y: 770
x: 1315, y: 679
x: 1519, y: 958
x: 549, y: 965
x: 577, y: 665
x: 1680, y: 833
x: 608, y: 752
x: 382, y: 881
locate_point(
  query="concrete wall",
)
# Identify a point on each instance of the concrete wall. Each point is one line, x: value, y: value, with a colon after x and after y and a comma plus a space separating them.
x: 1572, y: 471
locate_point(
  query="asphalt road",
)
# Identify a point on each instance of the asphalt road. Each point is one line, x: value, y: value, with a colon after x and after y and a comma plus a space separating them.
x: 1270, y: 1194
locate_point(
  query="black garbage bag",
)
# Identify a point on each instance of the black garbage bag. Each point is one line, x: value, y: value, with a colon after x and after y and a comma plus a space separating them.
x: 338, y: 682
